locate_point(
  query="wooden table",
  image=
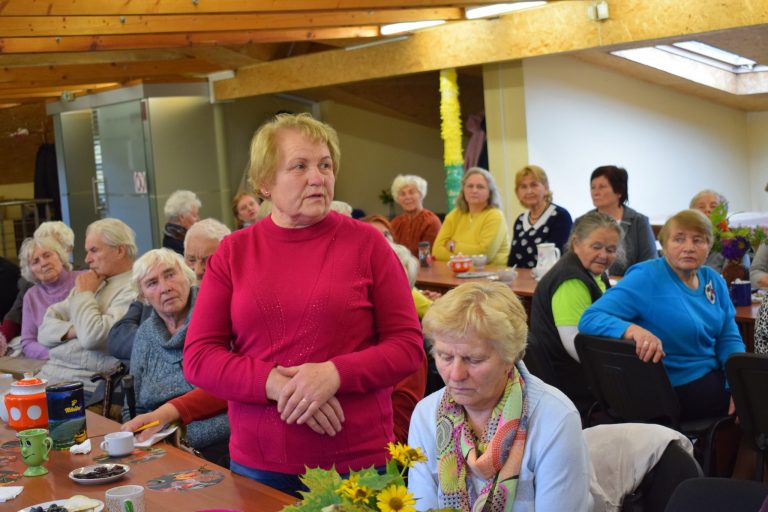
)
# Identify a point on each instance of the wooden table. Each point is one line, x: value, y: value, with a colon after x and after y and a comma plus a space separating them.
x: 441, y: 279
x: 18, y: 365
x: 234, y: 492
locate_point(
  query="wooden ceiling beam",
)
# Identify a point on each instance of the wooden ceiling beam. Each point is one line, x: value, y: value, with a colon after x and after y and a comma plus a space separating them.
x: 58, y: 89
x: 555, y: 28
x: 115, y: 72
x: 75, y: 58
x: 39, y: 26
x: 126, y: 7
x: 52, y: 44
x: 224, y: 57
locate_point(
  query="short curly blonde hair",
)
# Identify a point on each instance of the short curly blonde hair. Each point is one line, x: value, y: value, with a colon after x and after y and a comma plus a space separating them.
x: 264, y: 150
x: 538, y: 174
x: 687, y: 219
x: 486, y: 310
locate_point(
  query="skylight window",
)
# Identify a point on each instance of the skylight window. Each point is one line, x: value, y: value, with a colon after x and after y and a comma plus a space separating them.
x: 703, y: 64
x: 486, y: 11
x: 717, y: 54
x: 408, y: 26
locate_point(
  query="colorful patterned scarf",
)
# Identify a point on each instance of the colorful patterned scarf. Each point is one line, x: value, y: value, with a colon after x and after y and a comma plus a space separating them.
x: 497, y: 457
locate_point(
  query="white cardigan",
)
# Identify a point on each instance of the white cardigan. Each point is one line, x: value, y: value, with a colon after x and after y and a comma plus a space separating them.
x: 92, y: 315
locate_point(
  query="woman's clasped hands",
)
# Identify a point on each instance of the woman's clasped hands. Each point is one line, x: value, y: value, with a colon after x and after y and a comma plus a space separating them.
x: 305, y: 395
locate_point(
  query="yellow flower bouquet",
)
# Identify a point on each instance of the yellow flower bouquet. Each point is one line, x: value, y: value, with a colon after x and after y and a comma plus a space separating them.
x: 363, y: 491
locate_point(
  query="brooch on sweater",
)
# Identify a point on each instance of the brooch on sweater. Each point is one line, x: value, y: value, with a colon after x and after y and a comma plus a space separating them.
x: 709, y: 291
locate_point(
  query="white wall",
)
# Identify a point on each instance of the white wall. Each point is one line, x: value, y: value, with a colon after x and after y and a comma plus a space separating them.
x: 580, y: 116
x: 757, y: 125
x: 242, y: 118
x: 376, y: 148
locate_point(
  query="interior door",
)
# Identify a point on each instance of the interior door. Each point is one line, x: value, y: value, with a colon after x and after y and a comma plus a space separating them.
x: 77, y: 172
x: 125, y: 174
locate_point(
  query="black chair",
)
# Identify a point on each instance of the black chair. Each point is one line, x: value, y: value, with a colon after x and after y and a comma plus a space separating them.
x: 748, y: 376
x: 718, y: 495
x: 630, y: 390
x: 654, y: 492
x: 537, y: 362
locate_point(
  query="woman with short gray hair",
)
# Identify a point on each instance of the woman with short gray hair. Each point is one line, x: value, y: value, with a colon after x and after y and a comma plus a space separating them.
x: 416, y: 223
x: 477, y: 224
x: 181, y: 212
x: 164, y: 282
x: 44, y: 262
x: 577, y: 280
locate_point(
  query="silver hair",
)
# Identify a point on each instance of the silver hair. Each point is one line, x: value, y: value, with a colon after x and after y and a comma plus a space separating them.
x: 403, y: 180
x: 589, y: 222
x: 115, y: 233
x: 209, y: 228
x: 155, y: 257
x: 720, y: 198
x: 179, y: 203
x: 45, y: 242
x: 58, y: 230
x: 409, y: 262
x: 494, y: 199
x: 342, y: 208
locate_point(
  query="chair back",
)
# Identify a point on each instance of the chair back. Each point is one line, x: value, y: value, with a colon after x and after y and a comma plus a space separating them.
x: 717, y: 495
x: 626, y: 387
x: 538, y: 363
x: 748, y: 376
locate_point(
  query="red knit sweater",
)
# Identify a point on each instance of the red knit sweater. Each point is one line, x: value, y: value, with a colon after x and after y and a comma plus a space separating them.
x: 332, y: 291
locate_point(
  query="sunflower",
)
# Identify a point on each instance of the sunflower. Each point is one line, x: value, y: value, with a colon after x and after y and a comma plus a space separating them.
x: 355, y: 492
x: 396, y: 498
x: 405, y: 455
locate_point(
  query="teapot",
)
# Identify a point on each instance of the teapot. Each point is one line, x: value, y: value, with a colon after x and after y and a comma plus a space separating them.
x: 460, y: 263
x: 26, y: 404
x: 547, y: 256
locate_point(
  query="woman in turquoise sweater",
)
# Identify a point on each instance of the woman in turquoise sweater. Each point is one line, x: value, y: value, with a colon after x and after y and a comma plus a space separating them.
x: 477, y: 224
x: 677, y: 311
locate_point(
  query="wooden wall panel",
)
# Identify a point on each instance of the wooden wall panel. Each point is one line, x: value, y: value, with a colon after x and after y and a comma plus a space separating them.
x: 18, y: 162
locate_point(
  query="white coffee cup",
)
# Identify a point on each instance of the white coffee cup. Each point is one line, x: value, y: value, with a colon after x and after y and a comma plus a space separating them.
x: 126, y: 498
x: 118, y: 443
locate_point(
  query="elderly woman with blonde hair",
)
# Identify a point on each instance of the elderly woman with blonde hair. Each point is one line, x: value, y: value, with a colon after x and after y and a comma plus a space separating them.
x: 496, y: 437
x: 310, y: 313
x: 166, y: 283
x: 416, y: 223
x: 44, y: 262
x: 678, y: 311
x: 542, y: 221
x: 477, y: 224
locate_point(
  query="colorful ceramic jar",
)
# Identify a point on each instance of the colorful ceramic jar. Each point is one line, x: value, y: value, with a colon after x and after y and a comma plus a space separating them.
x: 26, y: 404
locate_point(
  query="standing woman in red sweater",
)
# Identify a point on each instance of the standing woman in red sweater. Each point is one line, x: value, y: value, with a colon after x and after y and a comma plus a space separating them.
x: 304, y: 321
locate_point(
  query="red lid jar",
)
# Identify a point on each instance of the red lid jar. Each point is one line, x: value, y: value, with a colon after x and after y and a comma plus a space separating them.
x: 26, y: 404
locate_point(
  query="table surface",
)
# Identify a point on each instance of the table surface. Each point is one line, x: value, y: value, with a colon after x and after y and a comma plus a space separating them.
x: 18, y: 365
x: 233, y: 492
x: 440, y: 277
